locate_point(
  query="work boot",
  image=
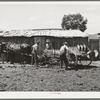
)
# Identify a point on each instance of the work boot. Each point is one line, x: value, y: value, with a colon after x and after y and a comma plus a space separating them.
x: 67, y: 68
x: 37, y: 65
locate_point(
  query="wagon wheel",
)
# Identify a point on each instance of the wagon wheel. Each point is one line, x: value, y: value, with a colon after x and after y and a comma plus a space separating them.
x: 87, y: 59
x: 72, y: 60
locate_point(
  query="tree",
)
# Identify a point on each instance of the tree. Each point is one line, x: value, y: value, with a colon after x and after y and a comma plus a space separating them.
x: 74, y: 21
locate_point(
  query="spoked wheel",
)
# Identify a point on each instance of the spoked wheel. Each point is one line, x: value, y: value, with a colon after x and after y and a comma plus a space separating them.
x: 72, y: 60
x: 86, y: 60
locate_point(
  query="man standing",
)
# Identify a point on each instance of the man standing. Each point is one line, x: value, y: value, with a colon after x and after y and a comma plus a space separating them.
x: 48, y: 45
x: 63, y: 55
x: 34, y: 59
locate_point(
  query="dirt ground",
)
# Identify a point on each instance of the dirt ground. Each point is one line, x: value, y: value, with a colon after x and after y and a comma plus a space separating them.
x: 16, y: 77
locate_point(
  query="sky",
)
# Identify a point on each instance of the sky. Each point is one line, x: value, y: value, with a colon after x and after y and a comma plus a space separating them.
x: 38, y: 15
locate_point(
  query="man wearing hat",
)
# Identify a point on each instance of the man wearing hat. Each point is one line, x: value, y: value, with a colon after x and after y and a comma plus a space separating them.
x: 34, y: 59
x: 63, y: 55
x: 48, y: 44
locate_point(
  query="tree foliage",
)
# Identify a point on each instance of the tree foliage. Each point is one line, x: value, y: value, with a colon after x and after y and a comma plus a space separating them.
x: 74, y: 21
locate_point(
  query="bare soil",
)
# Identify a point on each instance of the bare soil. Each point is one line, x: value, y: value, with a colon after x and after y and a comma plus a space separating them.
x: 20, y: 77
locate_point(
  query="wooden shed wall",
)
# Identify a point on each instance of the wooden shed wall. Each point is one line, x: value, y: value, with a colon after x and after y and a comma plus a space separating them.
x: 94, y: 44
x: 57, y: 42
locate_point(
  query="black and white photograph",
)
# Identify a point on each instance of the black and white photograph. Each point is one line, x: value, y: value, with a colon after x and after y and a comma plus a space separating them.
x: 50, y: 47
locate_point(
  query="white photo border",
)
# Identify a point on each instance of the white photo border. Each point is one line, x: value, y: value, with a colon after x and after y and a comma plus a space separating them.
x: 49, y: 95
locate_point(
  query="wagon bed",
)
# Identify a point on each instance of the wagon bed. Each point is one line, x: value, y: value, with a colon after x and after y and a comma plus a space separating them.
x: 75, y: 56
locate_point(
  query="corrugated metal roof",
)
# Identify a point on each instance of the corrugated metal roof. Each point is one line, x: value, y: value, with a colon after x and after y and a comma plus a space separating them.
x: 54, y: 33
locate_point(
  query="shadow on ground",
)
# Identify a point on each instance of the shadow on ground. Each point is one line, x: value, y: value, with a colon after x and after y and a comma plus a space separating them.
x: 78, y: 67
x: 82, y: 67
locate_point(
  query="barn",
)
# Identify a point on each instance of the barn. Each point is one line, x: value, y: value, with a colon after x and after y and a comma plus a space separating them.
x: 94, y: 42
x: 56, y: 36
